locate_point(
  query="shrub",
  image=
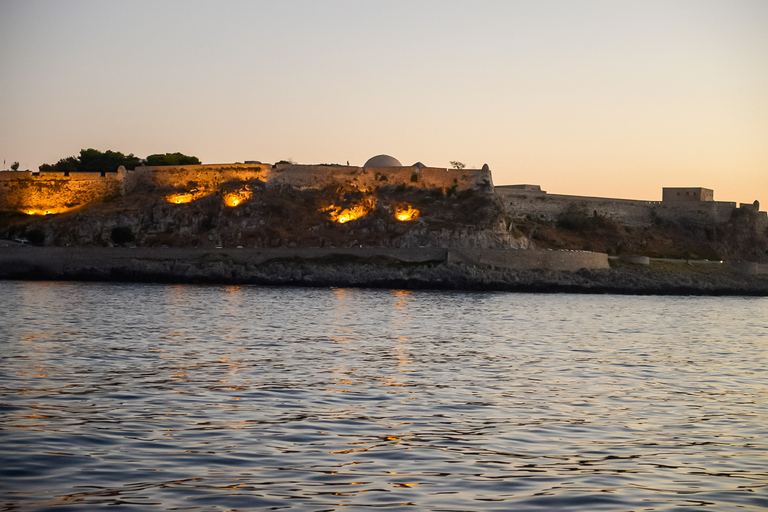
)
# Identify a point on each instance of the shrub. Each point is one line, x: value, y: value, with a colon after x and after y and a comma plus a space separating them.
x: 122, y: 235
x: 573, y: 219
x: 36, y: 237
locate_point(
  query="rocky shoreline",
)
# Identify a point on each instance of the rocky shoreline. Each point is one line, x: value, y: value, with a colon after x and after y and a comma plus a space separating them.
x: 372, y: 271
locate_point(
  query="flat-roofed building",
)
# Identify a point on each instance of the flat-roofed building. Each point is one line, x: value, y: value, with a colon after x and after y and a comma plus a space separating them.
x: 692, y: 194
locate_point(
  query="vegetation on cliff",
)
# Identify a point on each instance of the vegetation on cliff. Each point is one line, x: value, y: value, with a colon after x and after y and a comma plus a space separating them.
x: 93, y: 160
x: 171, y: 159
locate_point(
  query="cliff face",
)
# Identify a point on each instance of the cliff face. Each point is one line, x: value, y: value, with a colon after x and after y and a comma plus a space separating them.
x: 249, y: 213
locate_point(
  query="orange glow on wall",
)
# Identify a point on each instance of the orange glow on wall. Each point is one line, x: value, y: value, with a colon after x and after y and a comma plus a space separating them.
x: 353, y: 212
x: 184, y: 197
x: 237, y: 197
x: 46, y: 211
x: 405, y: 212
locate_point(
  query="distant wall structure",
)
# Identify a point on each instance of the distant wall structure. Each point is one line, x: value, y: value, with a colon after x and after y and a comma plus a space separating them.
x: 526, y: 201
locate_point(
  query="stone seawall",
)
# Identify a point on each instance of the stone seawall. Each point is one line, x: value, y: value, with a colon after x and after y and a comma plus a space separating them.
x: 385, y: 268
x: 530, y: 259
x: 55, y: 261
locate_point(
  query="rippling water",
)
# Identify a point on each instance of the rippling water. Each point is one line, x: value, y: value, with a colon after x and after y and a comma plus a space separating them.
x: 232, y: 398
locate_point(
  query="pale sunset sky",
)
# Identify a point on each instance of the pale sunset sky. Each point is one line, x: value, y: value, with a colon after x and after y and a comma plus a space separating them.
x: 596, y: 97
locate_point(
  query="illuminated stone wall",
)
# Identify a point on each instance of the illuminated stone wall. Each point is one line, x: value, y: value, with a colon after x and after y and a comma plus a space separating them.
x: 42, y: 193
x: 307, y: 176
x: 202, y: 177
x: 56, y: 193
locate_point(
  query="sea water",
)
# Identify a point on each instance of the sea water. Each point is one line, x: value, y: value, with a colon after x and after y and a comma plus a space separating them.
x: 158, y: 397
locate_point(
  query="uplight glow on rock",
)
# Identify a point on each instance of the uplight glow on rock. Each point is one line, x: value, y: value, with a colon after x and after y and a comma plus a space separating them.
x: 47, y: 211
x: 405, y: 212
x: 353, y: 212
x: 237, y: 197
x: 184, y: 197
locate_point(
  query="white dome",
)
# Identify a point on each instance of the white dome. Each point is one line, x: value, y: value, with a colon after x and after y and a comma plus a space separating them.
x: 383, y: 161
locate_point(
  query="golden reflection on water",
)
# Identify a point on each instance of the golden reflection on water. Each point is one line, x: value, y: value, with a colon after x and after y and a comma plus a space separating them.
x: 180, y: 297
x: 401, y: 319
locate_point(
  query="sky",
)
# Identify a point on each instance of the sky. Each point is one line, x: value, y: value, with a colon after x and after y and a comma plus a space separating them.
x: 604, y: 98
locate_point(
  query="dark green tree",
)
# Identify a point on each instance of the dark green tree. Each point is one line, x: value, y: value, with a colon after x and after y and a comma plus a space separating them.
x: 15, y: 166
x: 172, y: 159
x: 93, y: 160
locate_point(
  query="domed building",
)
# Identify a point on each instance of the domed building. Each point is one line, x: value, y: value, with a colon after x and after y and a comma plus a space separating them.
x: 383, y: 161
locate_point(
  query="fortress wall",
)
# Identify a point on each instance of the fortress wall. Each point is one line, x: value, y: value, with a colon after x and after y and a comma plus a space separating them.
x: 193, y: 176
x: 549, y: 207
x: 369, y: 178
x: 51, y: 191
x: 54, y: 192
x: 306, y: 176
x: 540, y: 205
x: 433, y: 177
x: 705, y: 212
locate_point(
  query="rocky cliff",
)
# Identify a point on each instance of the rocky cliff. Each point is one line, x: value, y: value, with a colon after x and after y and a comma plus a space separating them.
x: 250, y: 214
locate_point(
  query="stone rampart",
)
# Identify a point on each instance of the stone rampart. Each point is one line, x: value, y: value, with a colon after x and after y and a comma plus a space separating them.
x: 55, y: 192
x: 549, y: 207
x: 540, y: 205
x: 193, y: 176
x: 41, y: 193
x: 306, y: 176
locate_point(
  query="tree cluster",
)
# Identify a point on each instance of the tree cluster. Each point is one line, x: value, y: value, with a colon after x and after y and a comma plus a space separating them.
x: 93, y: 160
x: 172, y: 159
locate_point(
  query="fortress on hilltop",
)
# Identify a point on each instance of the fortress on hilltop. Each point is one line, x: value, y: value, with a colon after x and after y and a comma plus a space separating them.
x: 41, y: 193
x: 56, y: 192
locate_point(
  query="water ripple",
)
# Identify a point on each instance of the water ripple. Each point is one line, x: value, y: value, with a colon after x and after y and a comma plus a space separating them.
x: 236, y: 398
